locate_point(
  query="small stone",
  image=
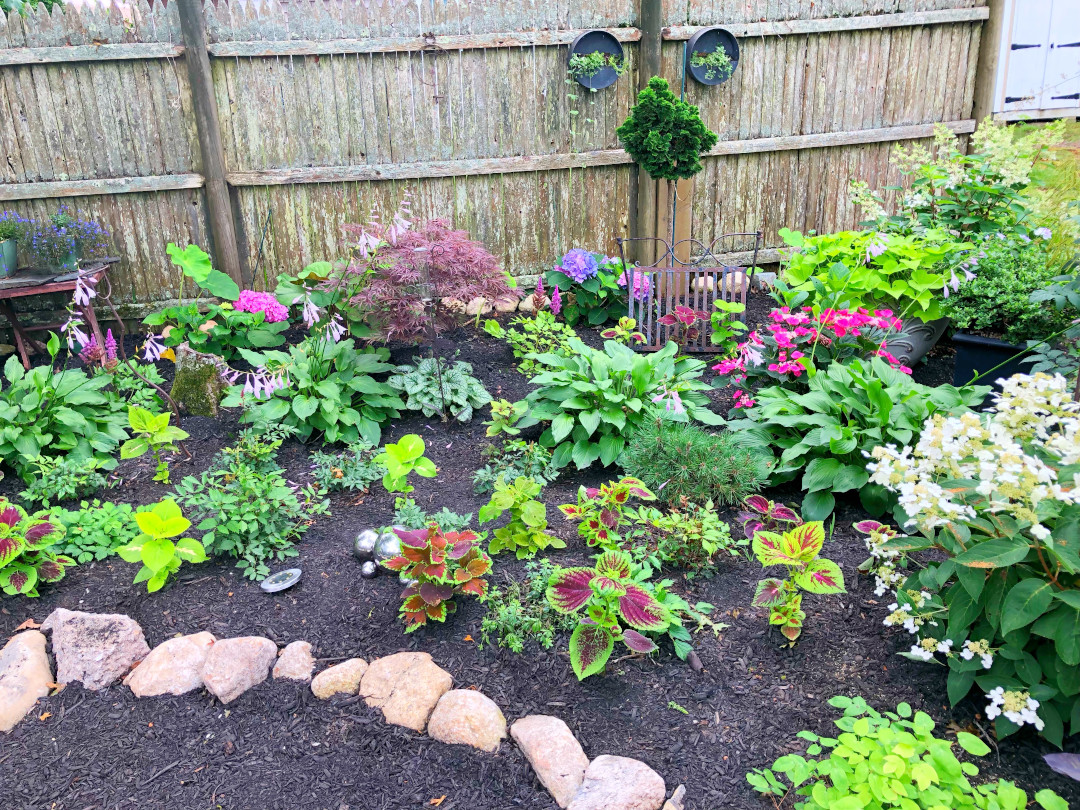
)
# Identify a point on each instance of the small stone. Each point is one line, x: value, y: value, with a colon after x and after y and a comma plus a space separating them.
x: 6, y: 349
x: 554, y: 753
x: 340, y: 679
x: 234, y: 665
x: 734, y: 281
x: 406, y: 686
x: 704, y: 283
x: 173, y: 667
x: 528, y: 304
x: 453, y: 305
x: 295, y: 662
x: 25, y: 676
x: 694, y: 661
x: 478, y: 306
x: 467, y: 717
x: 677, y: 800
x: 506, y: 303
x: 619, y: 783
x: 94, y: 648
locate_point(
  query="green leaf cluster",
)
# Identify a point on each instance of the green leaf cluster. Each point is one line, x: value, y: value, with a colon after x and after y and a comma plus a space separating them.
x: 434, y: 386
x: 514, y: 459
x: 595, y: 300
x: 130, y: 388
x: 665, y: 135
x: 354, y: 469
x: 27, y: 557
x: 404, y: 457
x: 160, y: 554
x: 887, y: 761
x: 691, y: 535
x: 537, y: 335
x: 152, y: 433
x: 525, y: 533
x: 96, y: 529
x: 519, y: 612
x: 62, y: 479
x: 411, y: 515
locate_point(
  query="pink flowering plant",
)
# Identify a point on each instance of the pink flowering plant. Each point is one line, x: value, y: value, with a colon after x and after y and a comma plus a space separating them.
x: 593, y: 287
x: 264, y: 302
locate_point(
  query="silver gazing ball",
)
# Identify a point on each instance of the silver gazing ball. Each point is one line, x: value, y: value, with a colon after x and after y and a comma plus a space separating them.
x: 369, y: 570
x: 387, y: 546
x: 364, y: 547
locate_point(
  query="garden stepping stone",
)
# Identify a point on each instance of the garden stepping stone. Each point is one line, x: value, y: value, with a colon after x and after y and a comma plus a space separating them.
x: 340, y: 679
x: 619, y: 783
x: 94, y: 648
x: 406, y: 686
x: 554, y: 753
x: 25, y: 676
x: 467, y: 717
x: 295, y: 663
x: 173, y: 667
x: 234, y: 665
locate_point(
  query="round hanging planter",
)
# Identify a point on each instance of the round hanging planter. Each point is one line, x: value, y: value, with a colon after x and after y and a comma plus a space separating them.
x: 611, y: 51
x: 702, y: 44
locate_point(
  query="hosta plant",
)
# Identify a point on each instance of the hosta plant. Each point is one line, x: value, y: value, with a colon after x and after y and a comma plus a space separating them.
x: 440, y: 565
x: 26, y: 556
x: 611, y: 606
x: 401, y: 458
x: 157, y: 548
x: 152, y: 432
x: 601, y: 511
x: 593, y: 398
x: 995, y: 497
x: 890, y: 760
x: 759, y: 514
x: 525, y: 533
x: 797, y: 550
x: 537, y: 335
x: 434, y: 386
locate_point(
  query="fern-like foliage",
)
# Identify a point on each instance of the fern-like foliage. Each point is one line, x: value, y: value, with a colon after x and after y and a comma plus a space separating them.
x: 435, y: 386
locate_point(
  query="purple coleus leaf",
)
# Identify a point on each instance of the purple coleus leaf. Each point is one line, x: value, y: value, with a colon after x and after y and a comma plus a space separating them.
x: 39, y: 532
x: 10, y: 548
x: 569, y: 589
x: 758, y: 503
x: 641, y: 610
x: 10, y: 515
x: 868, y: 526
x: 413, y: 539
x: 784, y: 514
x: 590, y: 649
x: 50, y: 571
x: 637, y: 642
x: 609, y: 517
x: 434, y: 594
x: 769, y: 593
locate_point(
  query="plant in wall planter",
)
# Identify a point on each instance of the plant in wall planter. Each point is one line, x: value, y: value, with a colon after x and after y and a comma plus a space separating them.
x: 595, y: 60
x: 712, y: 54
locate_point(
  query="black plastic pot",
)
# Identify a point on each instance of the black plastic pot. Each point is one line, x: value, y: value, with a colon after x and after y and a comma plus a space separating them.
x: 596, y: 42
x: 976, y: 355
x: 709, y: 40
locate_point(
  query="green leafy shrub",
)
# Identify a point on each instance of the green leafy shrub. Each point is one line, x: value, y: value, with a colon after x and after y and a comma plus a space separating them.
x: 434, y: 386
x: 130, y: 388
x: 593, y: 397
x: 354, y: 469
x: 520, y: 612
x: 96, y: 529
x: 26, y: 555
x: 889, y: 761
x: 327, y: 389
x: 849, y: 410
x: 156, y: 549
x: 62, y: 479
x: 404, y: 457
x: 440, y: 565
x: 536, y: 335
x: 515, y: 459
x: 995, y: 497
x: 504, y: 415
x: 409, y: 514
x: 664, y: 135
x: 692, y: 534
x: 680, y: 461
x: 593, y: 286
x: 152, y: 433
x: 56, y: 413
x: 526, y: 531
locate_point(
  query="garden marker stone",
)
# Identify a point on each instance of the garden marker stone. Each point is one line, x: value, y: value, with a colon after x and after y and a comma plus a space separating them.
x: 619, y: 783
x: 467, y: 717
x: 406, y: 686
x: 478, y: 306
x: 25, y: 676
x: 506, y: 304
x: 340, y: 679
x: 172, y: 667
x: 198, y: 385
x: 234, y: 665
x: 554, y: 753
x: 295, y: 663
x: 94, y: 648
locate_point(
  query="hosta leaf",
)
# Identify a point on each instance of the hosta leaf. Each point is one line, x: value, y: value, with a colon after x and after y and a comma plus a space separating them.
x: 590, y: 649
x: 570, y: 589
x: 637, y: 642
x: 641, y: 610
x: 821, y: 576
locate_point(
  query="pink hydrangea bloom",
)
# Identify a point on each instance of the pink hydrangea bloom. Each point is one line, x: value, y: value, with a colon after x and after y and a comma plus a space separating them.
x: 641, y: 285
x: 251, y: 301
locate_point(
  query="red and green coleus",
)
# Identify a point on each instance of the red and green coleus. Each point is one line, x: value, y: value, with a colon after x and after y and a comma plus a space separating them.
x: 600, y: 512
x: 759, y: 514
x: 606, y: 597
x: 25, y: 556
x: 441, y: 564
x: 798, y: 550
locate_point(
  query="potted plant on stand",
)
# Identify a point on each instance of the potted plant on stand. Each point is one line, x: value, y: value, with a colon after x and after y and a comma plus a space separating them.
x: 12, y: 227
x: 63, y: 240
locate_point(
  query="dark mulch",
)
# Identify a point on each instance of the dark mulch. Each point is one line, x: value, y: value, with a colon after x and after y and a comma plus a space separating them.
x: 278, y: 747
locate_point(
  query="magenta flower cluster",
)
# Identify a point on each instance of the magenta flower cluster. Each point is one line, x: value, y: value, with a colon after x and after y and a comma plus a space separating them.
x: 640, y: 289
x: 251, y: 301
x: 579, y: 264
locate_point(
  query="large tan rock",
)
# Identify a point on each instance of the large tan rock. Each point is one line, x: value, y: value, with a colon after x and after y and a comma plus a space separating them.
x: 94, y: 648
x: 554, y: 753
x: 340, y: 679
x: 619, y: 783
x: 295, y: 662
x: 234, y: 665
x: 478, y: 306
x: 467, y: 717
x: 406, y: 686
x: 506, y: 303
x: 173, y: 667
x: 25, y: 676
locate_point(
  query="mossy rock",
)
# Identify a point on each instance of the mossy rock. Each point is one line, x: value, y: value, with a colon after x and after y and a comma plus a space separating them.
x: 198, y: 386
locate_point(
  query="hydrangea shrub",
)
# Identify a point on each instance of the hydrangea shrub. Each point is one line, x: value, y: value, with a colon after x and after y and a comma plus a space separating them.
x: 594, y: 286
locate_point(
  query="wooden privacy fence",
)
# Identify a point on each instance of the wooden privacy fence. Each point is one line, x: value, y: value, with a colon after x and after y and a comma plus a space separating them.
x: 244, y: 126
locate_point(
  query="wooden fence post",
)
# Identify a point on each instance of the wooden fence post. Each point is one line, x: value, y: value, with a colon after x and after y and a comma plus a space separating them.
x: 986, y: 71
x: 219, y: 205
x: 651, y: 23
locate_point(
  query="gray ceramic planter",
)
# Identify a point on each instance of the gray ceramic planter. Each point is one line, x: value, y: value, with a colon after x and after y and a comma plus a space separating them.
x: 911, y: 344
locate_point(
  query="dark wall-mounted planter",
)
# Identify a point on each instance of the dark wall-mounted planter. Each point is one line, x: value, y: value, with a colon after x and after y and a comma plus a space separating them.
x: 976, y: 355
x: 709, y: 40
x: 596, y: 42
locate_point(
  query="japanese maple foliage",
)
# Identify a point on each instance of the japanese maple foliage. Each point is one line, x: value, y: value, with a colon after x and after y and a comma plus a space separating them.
x: 442, y: 564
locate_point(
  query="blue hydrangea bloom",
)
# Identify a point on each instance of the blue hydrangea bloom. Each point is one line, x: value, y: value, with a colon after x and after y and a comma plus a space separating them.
x: 579, y: 264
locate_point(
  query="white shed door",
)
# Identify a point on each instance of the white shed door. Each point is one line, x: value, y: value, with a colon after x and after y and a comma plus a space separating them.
x: 1061, y: 82
x: 1041, y: 53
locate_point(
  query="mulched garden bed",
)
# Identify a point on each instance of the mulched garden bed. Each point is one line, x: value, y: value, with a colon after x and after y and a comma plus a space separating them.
x: 279, y: 747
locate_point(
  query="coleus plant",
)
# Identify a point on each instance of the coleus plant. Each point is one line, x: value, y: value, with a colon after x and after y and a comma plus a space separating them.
x: 686, y: 323
x: 441, y: 564
x: 625, y: 332
x: 25, y: 555
x: 610, y: 598
x: 759, y: 514
x: 797, y: 549
x: 601, y: 511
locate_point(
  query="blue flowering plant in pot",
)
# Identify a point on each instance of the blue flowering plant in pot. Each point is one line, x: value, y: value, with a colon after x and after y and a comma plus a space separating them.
x: 12, y: 231
x: 63, y: 240
x: 592, y: 287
